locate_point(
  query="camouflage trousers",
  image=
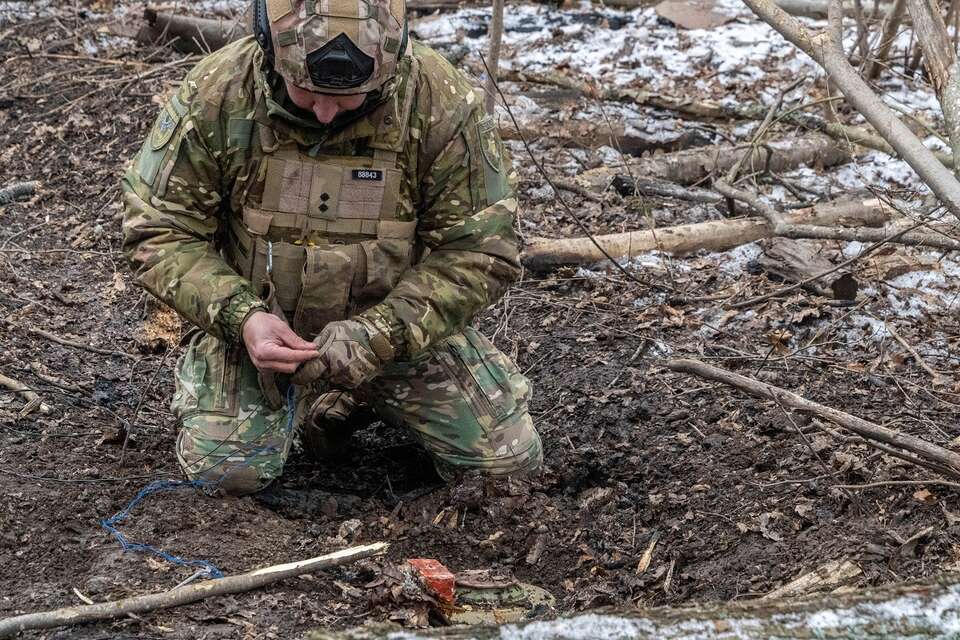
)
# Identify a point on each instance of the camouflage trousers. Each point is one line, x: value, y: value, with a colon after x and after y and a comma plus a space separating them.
x: 463, y: 399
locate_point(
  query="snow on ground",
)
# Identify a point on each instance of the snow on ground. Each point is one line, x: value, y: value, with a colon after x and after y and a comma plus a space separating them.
x: 21, y: 11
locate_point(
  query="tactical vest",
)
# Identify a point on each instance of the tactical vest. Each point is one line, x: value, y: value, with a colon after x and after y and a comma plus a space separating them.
x: 327, y: 236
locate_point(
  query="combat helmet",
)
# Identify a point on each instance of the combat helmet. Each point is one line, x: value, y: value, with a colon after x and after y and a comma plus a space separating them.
x: 332, y: 46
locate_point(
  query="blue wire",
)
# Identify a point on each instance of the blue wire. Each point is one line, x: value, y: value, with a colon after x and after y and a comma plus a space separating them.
x: 111, y: 524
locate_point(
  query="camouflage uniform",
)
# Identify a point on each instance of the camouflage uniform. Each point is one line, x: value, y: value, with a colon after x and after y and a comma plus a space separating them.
x: 402, y: 216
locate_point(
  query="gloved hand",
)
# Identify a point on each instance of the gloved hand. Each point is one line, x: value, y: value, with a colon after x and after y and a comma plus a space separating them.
x: 351, y: 352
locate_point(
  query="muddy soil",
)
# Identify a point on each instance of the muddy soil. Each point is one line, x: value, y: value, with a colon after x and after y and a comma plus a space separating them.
x: 740, y: 496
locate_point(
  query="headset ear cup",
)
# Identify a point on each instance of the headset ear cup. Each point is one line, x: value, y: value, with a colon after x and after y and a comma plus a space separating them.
x: 261, y: 29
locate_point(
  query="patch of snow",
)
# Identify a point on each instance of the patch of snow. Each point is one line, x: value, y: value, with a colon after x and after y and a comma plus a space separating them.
x: 655, y: 260
x: 865, y: 326
x: 734, y: 261
x: 875, y: 168
x: 13, y: 12
x: 586, y: 273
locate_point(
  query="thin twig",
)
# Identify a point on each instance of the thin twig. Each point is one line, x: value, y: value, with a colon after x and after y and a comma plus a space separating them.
x: 71, y: 343
x: 888, y: 483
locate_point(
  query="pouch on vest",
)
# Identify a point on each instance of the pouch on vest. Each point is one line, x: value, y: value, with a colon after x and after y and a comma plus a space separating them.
x: 326, y: 279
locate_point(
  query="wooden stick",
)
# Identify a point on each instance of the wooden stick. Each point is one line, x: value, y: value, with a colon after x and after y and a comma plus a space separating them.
x: 859, y: 426
x: 71, y: 343
x: 33, y: 400
x: 938, y: 380
x: 183, y: 595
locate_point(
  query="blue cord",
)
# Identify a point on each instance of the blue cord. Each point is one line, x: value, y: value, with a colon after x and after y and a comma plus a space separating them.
x: 156, y: 486
x: 111, y: 524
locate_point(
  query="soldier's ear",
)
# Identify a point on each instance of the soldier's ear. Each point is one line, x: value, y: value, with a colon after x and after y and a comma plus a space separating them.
x: 261, y: 30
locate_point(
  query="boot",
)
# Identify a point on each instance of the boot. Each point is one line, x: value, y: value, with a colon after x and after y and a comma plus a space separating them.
x: 330, y: 422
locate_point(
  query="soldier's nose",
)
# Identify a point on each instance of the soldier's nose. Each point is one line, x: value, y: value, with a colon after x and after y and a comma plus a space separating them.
x: 325, y: 109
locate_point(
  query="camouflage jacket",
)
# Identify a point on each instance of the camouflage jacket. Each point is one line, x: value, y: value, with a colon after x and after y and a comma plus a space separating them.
x: 187, y: 186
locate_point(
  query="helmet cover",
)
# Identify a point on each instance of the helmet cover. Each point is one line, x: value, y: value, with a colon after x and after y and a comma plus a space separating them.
x: 337, y: 46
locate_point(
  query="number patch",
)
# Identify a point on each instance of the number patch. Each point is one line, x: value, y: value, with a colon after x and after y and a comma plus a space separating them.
x: 372, y: 175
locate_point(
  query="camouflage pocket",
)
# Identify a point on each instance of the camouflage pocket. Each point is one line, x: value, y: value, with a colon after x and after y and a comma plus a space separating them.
x: 207, y: 378
x: 492, y: 384
x: 325, y: 288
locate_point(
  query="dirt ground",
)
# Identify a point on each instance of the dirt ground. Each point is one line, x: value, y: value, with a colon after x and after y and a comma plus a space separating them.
x: 740, y: 495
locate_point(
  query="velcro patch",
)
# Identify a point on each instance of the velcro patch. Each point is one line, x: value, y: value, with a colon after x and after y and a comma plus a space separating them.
x: 367, y: 175
x: 164, y: 128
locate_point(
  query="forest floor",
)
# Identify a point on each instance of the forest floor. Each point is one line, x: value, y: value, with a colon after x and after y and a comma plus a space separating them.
x: 741, y: 496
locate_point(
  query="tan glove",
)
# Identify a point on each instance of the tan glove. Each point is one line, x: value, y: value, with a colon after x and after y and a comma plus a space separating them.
x: 352, y: 352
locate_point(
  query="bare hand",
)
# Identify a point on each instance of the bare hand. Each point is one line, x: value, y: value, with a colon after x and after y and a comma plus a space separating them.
x: 272, y: 344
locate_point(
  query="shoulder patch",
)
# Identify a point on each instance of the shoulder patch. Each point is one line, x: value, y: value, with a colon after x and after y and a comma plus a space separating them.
x: 165, y: 126
x: 486, y: 134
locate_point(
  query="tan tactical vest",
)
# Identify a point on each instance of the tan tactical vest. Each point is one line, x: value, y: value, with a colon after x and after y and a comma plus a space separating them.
x: 327, y: 236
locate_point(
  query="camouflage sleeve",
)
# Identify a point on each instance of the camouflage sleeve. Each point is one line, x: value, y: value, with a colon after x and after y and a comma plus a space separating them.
x: 172, y: 193
x: 466, y: 221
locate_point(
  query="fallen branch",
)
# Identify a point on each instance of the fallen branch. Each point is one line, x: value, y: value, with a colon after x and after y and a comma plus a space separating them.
x: 843, y: 265
x: 187, y: 33
x: 184, y: 595
x: 52, y: 337
x: 867, y: 430
x: 795, y: 261
x: 719, y: 235
x: 829, y: 575
x: 938, y: 380
x: 33, y: 400
x: 632, y: 186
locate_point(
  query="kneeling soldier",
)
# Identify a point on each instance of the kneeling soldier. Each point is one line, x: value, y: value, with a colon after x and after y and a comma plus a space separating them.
x: 327, y: 199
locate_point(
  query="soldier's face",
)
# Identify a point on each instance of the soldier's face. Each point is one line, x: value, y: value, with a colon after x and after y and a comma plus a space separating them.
x: 325, y: 106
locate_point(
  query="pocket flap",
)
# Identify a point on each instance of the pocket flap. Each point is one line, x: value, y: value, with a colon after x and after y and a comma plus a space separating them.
x: 256, y: 220
x: 397, y: 230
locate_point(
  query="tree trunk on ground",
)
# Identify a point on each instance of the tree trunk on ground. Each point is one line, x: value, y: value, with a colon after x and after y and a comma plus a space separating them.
x: 908, y: 611
x: 798, y: 261
x: 688, y: 167
x: 544, y: 253
x: 590, y: 134
x: 189, y: 34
